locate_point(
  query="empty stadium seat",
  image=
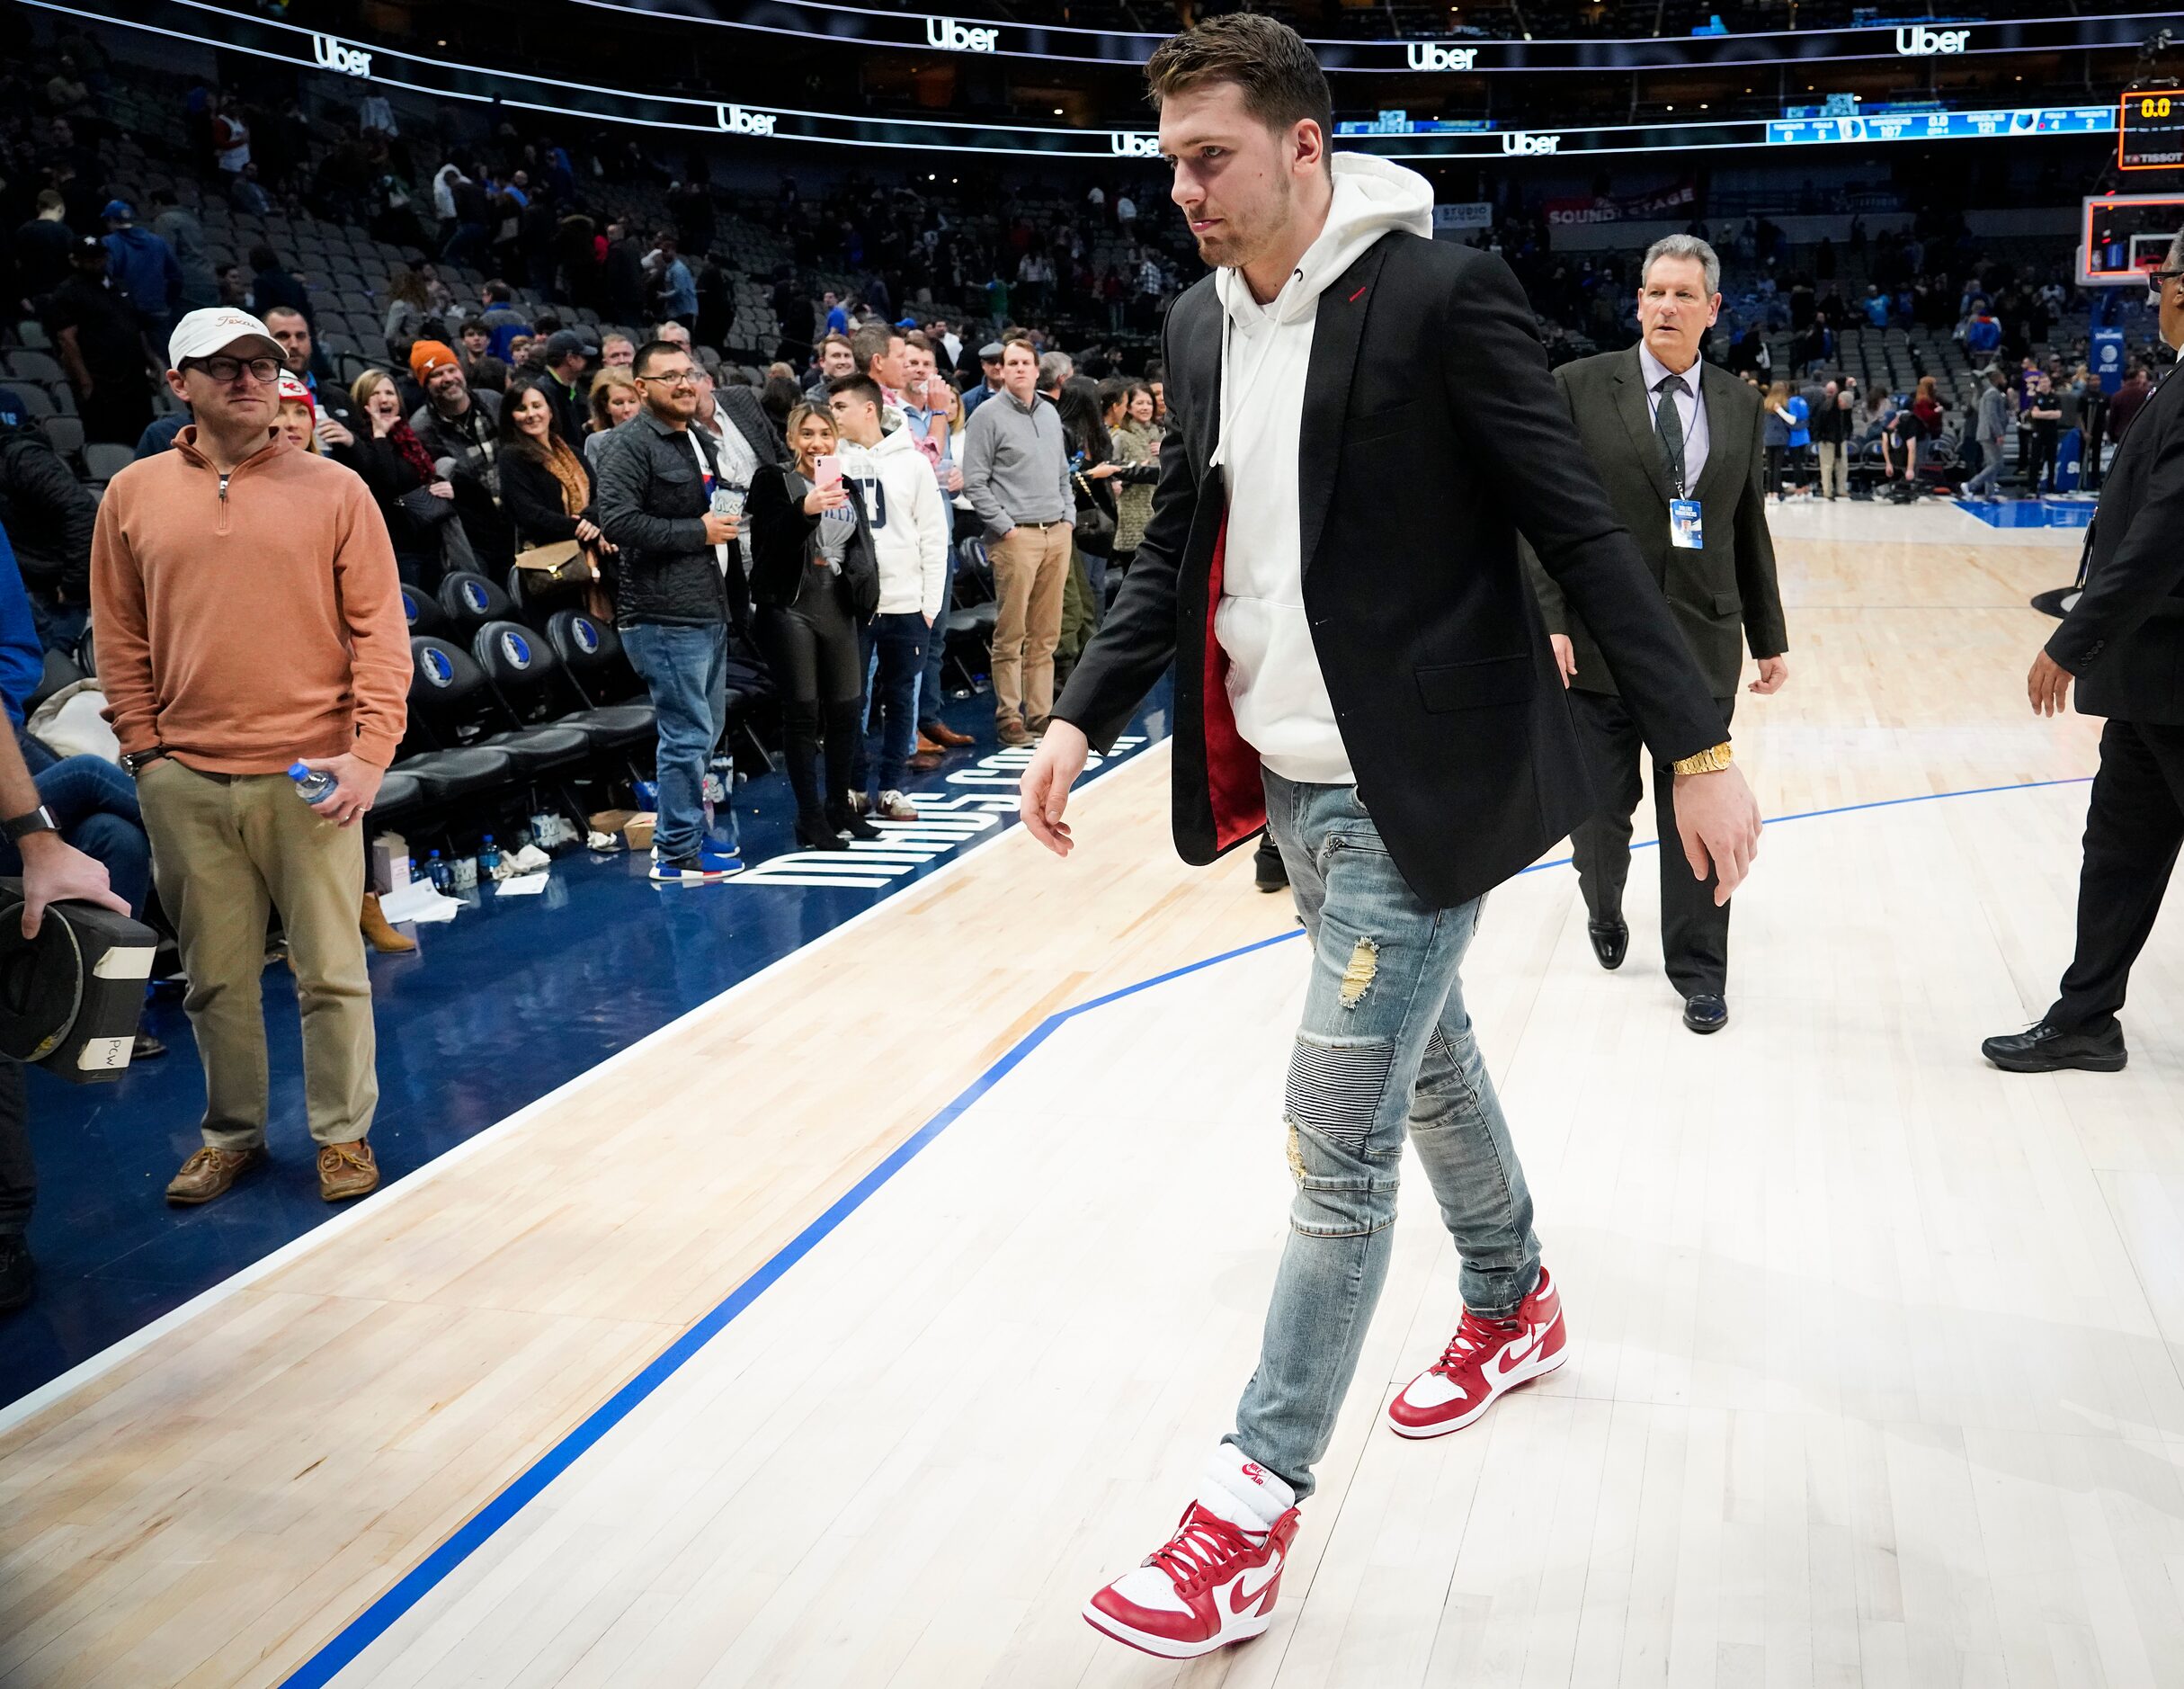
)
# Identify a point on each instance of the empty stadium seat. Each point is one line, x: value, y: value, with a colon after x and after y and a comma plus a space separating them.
x: 102, y: 461
x: 526, y: 676
x: 470, y: 600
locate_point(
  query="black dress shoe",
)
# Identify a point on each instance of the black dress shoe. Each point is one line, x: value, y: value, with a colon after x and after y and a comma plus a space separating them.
x: 2046, y: 1049
x: 1704, y: 1013
x: 1611, y: 941
x: 16, y: 1274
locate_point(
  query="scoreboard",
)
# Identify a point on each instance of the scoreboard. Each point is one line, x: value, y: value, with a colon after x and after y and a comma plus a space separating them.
x: 2150, y: 130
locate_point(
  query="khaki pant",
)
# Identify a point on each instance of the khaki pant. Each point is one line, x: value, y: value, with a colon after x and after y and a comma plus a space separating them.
x: 225, y: 849
x: 1831, y: 467
x: 1030, y: 569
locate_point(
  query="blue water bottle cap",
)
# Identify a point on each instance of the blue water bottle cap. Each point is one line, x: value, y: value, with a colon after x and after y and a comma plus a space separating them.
x: 488, y: 838
x: 298, y: 773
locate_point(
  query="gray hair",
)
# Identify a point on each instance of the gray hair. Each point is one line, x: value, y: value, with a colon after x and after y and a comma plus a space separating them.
x: 2175, y: 260
x: 1055, y: 368
x: 1684, y: 246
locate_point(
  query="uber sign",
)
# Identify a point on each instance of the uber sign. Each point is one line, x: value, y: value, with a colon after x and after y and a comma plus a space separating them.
x: 1530, y: 144
x: 735, y: 121
x: 333, y: 55
x: 1124, y: 145
x: 1922, y: 43
x: 960, y: 38
x: 1428, y: 56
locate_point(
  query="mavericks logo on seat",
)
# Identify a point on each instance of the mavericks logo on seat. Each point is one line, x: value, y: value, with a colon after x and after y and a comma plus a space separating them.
x: 516, y: 648
x: 586, y: 635
x: 474, y: 595
x: 436, y: 666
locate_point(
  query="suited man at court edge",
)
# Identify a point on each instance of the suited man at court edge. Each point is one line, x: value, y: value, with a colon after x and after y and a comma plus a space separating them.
x: 1361, y: 424
x: 1679, y: 445
x: 2123, y: 643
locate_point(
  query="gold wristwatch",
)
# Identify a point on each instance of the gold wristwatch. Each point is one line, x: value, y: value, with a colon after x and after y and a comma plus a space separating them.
x: 1707, y: 762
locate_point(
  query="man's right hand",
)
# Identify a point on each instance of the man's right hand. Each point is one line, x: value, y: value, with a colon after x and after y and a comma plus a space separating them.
x: 1718, y: 821
x: 1566, y: 657
x: 1053, y: 769
x: 719, y: 530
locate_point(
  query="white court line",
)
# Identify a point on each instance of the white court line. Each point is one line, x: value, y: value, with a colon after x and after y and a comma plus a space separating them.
x: 85, y: 1372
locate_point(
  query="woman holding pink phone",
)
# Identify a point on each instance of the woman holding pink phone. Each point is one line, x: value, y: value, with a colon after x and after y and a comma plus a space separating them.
x: 815, y: 579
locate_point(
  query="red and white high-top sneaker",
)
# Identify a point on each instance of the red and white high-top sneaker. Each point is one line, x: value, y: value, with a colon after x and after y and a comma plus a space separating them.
x: 1216, y: 1580
x: 1483, y: 1360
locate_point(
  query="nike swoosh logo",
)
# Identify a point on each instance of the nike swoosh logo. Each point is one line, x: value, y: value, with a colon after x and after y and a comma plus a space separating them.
x: 1239, y: 1598
x: 1511, y: 1358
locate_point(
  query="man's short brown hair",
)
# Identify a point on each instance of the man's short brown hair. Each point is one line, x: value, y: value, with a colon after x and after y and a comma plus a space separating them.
x: 1282, y: 83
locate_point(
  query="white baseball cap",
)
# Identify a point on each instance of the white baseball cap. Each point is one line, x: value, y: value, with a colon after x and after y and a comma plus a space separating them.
x: 201, y: 334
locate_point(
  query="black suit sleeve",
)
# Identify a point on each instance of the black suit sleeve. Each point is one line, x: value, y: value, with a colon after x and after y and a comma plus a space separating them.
x: 2141, y: 573
x: 1495, y: 374
x: 1554, y: 609
x: 1766, y: 630
x: 1137, y: 642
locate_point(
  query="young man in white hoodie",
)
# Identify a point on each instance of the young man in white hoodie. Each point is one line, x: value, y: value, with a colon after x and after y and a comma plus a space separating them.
x: 902, y: 504
x: 1331, y: 570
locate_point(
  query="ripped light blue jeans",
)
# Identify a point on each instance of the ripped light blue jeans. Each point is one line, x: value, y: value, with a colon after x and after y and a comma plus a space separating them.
x: 1386, y: 1050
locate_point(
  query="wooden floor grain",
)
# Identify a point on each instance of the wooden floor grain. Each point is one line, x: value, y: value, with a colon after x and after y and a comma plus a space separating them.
x: 1875, y: 1365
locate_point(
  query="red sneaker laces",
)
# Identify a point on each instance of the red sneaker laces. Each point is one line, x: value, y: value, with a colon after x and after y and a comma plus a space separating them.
x: 1473, y: 1337
x: 1201, y: 1546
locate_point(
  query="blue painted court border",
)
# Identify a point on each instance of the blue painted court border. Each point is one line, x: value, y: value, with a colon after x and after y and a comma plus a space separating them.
x: 382, y: 1614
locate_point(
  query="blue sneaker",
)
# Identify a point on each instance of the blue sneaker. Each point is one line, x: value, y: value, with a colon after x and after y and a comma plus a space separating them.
x: 702, y: 869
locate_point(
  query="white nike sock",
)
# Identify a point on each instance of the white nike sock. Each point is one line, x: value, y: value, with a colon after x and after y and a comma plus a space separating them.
x: 1242, y: 1491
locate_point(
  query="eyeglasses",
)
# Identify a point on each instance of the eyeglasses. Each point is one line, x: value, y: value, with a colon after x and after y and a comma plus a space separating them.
x: 2156, y: 280
x: 673, y: 378
x: 264, y: 372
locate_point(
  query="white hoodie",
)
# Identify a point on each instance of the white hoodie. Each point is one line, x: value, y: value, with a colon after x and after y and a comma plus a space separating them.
x: 1274, y: 681
x: 909, y: 528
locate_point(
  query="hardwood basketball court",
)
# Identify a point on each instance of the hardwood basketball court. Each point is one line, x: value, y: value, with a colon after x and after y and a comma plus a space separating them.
x: 852, y: 1328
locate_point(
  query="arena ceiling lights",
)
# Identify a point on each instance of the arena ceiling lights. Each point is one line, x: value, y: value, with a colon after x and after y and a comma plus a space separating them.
x: 1461, y: 54
x: 214, y: 26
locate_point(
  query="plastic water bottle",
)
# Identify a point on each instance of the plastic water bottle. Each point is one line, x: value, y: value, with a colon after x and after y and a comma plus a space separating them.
x: 488, y: 858
x: 436, y: 871
x: 311, y: 784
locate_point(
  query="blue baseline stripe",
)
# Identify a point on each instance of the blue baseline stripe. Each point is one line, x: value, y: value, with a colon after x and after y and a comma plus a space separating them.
x: 376, y: 1619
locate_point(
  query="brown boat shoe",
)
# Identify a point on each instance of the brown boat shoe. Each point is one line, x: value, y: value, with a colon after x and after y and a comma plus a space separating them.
x: 209, y: 1172
x: 346, y: 1171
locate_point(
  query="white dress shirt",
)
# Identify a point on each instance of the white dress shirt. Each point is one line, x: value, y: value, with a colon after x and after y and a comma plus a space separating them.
x: 1690, y: 406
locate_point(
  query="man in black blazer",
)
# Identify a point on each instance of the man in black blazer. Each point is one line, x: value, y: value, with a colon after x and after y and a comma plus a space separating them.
x: 2123, y: 641
x: 1360, y: 423
x: 1680, y: 446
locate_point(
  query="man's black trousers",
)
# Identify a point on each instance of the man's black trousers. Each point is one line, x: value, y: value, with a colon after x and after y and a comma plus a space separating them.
x: 1694, y: 931
x: 2133, y: 828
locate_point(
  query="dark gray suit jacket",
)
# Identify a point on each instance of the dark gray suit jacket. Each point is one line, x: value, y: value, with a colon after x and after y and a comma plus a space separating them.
x: 1722, y: 597
x: 2125, y: 636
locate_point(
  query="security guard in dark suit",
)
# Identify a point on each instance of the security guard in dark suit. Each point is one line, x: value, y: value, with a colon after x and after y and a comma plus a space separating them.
x: 1679, y: 445
x: 2123, y: 641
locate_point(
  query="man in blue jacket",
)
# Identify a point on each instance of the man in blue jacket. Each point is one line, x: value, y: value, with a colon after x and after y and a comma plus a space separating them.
x: 144, y: 267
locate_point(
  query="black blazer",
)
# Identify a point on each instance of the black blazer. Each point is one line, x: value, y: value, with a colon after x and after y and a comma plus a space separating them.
x: 2125, y: 636
x: 1721, y: 593
x: 1431, y: 433
x: 531, y: 499
x: 781, y: 537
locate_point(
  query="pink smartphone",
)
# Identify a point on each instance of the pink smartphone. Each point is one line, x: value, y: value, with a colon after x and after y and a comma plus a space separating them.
x: 830, y: 471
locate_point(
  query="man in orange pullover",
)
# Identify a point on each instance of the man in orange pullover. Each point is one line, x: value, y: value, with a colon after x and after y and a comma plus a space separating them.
x: 248, y: 616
